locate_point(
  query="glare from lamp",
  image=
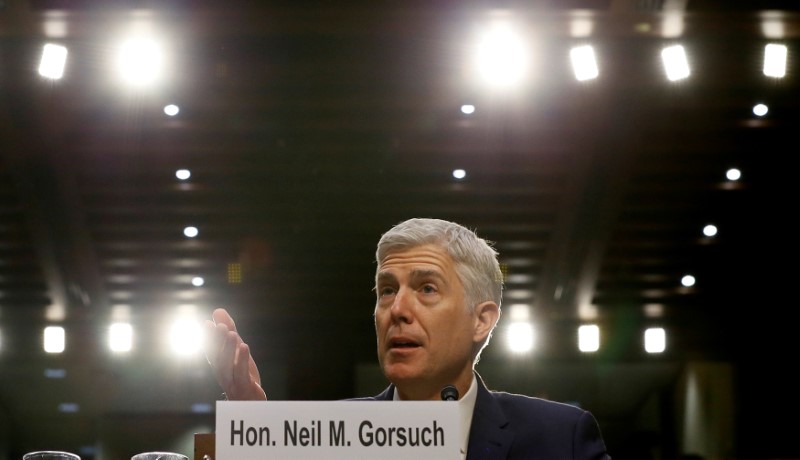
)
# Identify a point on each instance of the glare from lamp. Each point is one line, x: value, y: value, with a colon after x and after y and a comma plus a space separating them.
x: 733, y: 174
x: 120, y: 337
x: 584, y: 63
x: 467, y: 109
x: 675, y: 63
x: 54, y: 59
x: 710, y: 230
x: 760, y: 110
x: 459, y: 174
x: 183, y: 174
x: 191, y: 232
x: 520, y: 337
x: 186, y: 336
x: 140, y: 61
x: 775, y: 60
x: 502, y: 57
x: 171, y: 110
x: 655, y: 340
x: 198, y: 281
x: 589, y: 338
x: 688, y: 280
x: 54, y: 339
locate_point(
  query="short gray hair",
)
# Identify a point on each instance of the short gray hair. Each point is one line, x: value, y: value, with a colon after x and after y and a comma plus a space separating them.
x: 475, y: 259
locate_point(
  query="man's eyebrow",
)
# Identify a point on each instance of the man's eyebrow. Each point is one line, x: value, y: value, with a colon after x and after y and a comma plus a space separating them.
x: 385, y: 277
x: 423, y: 273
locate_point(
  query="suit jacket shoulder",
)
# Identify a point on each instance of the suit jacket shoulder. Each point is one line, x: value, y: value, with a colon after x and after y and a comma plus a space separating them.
x: 511, y: 426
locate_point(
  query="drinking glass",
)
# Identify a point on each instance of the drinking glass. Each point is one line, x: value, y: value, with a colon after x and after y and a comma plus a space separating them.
x: 50, y: 455
x: 159, y: 456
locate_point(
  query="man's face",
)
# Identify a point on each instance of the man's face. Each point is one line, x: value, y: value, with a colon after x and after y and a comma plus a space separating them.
x: 424, y: 329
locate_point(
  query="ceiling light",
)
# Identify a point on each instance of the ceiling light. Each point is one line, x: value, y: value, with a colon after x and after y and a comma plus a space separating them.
x: 467, y: 109
x: 171, y: 110
x: 775, y: 60
x: 675, y: 63
x: 191, y: 232
x: 520, y: 337
x: 54, y: 58
x: 733, y: 174
x: 140, y: 61
x: 588, y: 338
x: 501, y: 56
x: 198, y: 281
x: 459, y: 173
x: 710, y: 230
x: 183, y: 174
x: 120, y: 337
x: 54, y: 339
x: 584, y: 63
x: 688, y: 280
x: 760, y: 110
x: 655, y: 340
x: 185, y: 336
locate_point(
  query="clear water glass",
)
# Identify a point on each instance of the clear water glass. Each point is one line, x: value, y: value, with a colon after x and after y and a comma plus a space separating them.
x: 159, y: 456
x: 50, y: 455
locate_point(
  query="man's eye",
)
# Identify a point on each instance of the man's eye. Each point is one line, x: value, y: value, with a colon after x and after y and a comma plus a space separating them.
x: 384, y: 291
x: 429, y: 289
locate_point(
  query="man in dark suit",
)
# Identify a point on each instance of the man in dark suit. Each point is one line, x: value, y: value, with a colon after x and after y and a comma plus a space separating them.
x: 438, y: 288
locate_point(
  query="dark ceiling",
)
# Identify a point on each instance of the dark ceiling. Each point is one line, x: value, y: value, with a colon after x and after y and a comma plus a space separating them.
x: 309, y: 130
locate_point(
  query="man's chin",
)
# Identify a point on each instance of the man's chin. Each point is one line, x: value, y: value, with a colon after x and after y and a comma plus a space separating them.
x: 401, y: 372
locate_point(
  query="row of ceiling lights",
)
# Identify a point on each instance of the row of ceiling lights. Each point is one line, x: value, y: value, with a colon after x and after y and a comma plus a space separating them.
x: 501, y: 57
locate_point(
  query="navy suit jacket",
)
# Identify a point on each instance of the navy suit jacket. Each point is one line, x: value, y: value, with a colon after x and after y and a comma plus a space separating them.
x: 517, y: 427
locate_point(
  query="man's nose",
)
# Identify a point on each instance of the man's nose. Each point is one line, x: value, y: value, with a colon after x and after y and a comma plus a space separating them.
x: 402, y: 309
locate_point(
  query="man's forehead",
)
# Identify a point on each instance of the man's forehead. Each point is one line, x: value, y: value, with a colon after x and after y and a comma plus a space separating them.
x: 418, y: 258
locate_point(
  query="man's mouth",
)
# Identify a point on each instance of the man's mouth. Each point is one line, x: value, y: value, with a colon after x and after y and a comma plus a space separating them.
x: 402, y: 343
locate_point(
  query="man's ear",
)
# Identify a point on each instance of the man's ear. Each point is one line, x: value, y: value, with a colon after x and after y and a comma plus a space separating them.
x: 486, y: 316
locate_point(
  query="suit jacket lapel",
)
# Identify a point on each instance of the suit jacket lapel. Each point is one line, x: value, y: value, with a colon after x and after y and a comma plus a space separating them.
x: 489, y: 436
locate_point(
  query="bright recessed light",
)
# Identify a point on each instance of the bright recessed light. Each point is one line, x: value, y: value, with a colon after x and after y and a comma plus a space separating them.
x: 459, y: 173
x: 183, y: 174
x: 191, y: 232
x: 710, y: 230
x: 54, y: 58
x: 54, y: 339
x: 186, y: 336
x: 584, y: 63
x: 171, y: 110
x: 198, y: 281
x: 120, y: 337
x: 140, y: 61
x: 520, y: 337
x: 655, y: 340
x: 775, y: 60
x: 588, y: 338
x: 760, y: 110
x: 688, y: 280
x: 467, y: 109
x: 733, y: 174
x: 675, y: 63
x: 502, y: 56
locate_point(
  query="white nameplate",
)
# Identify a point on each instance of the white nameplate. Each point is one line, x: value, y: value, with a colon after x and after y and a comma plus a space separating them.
x: 338, y: 430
